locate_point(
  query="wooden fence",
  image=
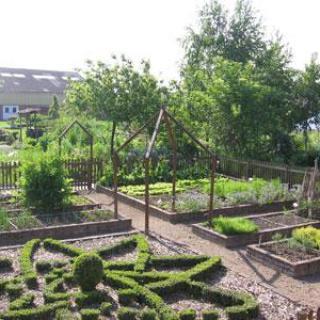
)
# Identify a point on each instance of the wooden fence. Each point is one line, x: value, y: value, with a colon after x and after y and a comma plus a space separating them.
x: 260, y: 169
x: 83, y: 173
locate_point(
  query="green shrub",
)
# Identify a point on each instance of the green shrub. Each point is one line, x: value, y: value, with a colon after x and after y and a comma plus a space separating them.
x: 64, y: 314
x: 26, y: 265
x: 88, y: 271
x: 106, y: 308
x: 44, y: 185
x: 89, y: 314
x: 4, y: 220
x: 309, y: 237
x: 148, y: 314
x: 14, y: 290
x: 56, y: 245
x: 125, y: 313
x: 127, y: 296
x: 210, y: 315
x: 85, y: 299
x: 26, y: 301
x: 5, y: 263
x: 233, y: 225
x: 43, y: 266
x: 44, y: 312
x: 187, y: 314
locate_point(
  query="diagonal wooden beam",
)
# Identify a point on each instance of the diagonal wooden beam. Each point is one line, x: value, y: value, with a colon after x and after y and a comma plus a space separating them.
x: 154, y: 135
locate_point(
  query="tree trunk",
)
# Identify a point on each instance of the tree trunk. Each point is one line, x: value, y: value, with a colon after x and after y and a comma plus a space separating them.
x: 113, y: 133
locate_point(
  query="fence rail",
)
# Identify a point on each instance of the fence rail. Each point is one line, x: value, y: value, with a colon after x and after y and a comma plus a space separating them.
x: 83, y: 173
x: 260, y: 169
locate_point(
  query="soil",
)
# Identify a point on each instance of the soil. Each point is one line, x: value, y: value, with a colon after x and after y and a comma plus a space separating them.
x: 244, y: 270
x: 296, y: 254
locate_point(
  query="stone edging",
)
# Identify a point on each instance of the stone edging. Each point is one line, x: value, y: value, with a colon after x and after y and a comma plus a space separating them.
x: 295, y: 269
x: 64, y: 231
x: 189, y: 217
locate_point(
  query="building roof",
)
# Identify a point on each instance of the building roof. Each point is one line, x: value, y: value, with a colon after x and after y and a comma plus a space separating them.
x: 16, y: 80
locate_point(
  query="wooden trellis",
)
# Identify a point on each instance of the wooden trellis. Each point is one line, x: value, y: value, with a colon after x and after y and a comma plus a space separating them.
x: 90, y: 136
x: 168, y: 119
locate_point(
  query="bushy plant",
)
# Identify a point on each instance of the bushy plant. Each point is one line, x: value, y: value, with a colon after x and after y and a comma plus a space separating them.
x: 44, y: 184
x: 187, y: 314
x: 309, y: 237
x: 106, y: 308
x: 233, y: 225
x: 148, y: 314
x: 125, y: 313
x: 4, y: 220
x: 88, y: 271
x: 89, y: 314
x: 64, y: 314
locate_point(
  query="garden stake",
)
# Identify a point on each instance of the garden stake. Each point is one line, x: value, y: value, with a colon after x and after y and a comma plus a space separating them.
x: 146, y: 168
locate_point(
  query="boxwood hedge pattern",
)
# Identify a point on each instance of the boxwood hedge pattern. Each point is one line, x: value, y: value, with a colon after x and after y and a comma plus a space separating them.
x: 141, y: 285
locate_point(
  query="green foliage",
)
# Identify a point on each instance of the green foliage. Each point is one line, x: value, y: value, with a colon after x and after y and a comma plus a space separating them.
x: 89, y: 314
x: 44, y: 185
x: 58, y: 246
x: 309, y: 237
x: 210, y: 315
x: 26, y: 301
x: 64, y: 314
x: 88, y: 271
x: 4, y: 220
x: 127, y: 296
x: 14, y: 290
x: 125, y: 313
x: 187, y: 314
x: 44, y: 312
x: 106, y: 308
x: 148, y: 314
x: 233, y: 225
x: 54, y: 109
x: 85, y: 299
x: 26, y: 264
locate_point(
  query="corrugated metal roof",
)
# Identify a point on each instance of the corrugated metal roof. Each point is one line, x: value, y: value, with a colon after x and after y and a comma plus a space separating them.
x: 16, y: 80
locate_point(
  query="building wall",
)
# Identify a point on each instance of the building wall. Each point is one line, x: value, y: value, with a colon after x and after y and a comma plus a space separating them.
x: 29, y: 99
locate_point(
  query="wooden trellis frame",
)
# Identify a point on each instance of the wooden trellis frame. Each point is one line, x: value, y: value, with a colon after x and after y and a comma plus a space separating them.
x: 90, y: 136
x: 168, y: 119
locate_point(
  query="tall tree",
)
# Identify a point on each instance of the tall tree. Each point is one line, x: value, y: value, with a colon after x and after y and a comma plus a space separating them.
x: 117, y: 92
x: 54, y: 109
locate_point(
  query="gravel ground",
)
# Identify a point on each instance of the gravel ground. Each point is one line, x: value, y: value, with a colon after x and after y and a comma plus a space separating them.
x: 273, y: 305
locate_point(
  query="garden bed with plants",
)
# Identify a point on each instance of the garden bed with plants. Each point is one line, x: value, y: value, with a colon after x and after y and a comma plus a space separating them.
x: 297, y: 256
x: 240, y: 231
x: 231, y: 198
x: 128, y: 277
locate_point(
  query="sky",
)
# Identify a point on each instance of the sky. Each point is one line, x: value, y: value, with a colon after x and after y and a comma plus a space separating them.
x: 63, y: 34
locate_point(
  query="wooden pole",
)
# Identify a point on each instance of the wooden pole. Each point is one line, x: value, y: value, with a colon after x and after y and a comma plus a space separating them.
x: 146, y: 196
x: 91, y: 164
x: 115, y: 187
x: 213, y: 171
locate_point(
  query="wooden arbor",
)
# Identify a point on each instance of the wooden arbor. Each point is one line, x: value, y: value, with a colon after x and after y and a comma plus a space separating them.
x: 90, y: 137
x: 168, y: 119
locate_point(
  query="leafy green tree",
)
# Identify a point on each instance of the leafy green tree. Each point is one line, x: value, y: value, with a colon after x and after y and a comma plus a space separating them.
x: 54, y: 109
x: 119, y: 93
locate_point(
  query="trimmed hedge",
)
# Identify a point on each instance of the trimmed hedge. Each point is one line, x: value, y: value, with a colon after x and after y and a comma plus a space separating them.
x: 65, y: 314
x: 44, y: 312
x: 125, y: 313
x: 127, y: 296
x: 85, y: 299
x: 89, y: 314
x: 210, y: 315
x: 187, y: 314
x: 88, y: 271
x: 148, y: 314
x: 58, y: 246
x: 24, y: 302
x: 26, y: 265
x: 106, y: 308
x: 14, y: 290
x: 43, y: 266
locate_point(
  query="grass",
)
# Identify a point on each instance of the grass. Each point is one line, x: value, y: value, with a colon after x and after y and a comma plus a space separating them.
x: 4, y: 221
x: 77, y: 200
x: 233, y: 226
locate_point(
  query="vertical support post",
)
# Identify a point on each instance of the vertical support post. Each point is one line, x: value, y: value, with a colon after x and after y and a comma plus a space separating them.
x: 146, y: 196
x: 91, y: 165
x: 115, y: 187
x: 60, y: 147
x: 174, y: 179
x: 213, y: 171
x: 20, y: 125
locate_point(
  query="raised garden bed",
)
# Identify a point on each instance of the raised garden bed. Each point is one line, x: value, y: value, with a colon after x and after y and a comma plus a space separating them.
x: 280, y: 256
x: 188, y: 217
x: 269, y: 224
x: 144, y: 278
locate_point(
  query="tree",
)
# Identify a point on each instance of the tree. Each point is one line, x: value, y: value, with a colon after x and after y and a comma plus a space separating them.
x: 118, y: 92
x: 54, y: 109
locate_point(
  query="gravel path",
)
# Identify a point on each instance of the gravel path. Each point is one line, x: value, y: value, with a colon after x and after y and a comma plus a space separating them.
x: 305, y: 291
